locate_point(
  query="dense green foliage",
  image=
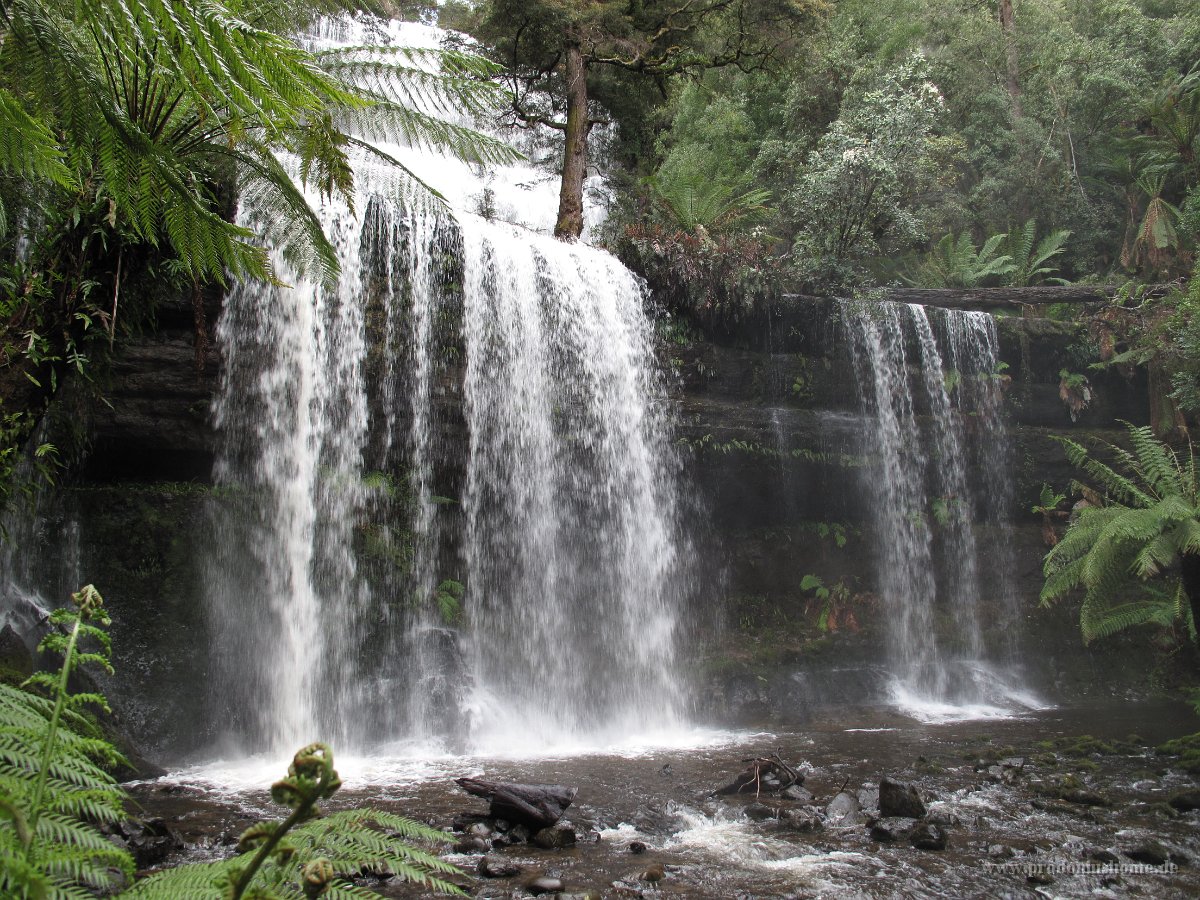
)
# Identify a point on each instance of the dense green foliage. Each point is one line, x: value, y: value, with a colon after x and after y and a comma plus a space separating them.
x: 887, y: 136
x: 129, y: 131
x: 56, y: 794
x: 1135, y: 547
x: 54, y: 790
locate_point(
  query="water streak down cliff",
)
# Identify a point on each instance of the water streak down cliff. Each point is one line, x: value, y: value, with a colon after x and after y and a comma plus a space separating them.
x: 931, y: 381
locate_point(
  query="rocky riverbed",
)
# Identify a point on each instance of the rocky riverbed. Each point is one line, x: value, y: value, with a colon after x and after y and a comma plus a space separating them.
x: 1060, y: 802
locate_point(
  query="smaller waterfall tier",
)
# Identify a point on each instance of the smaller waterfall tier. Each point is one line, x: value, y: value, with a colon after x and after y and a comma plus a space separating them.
x: 939, y: 490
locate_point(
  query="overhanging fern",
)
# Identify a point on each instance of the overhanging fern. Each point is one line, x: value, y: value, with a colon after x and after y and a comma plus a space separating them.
x: 1142, y: 524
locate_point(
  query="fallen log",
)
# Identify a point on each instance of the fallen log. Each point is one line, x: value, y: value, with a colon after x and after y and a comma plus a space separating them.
x: 534, y: 805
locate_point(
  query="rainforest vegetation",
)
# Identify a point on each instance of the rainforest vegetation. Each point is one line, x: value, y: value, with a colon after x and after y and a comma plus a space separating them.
x: 755, y: 150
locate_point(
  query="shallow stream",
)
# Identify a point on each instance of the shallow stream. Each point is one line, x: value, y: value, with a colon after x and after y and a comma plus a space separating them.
x: 1010, y: 832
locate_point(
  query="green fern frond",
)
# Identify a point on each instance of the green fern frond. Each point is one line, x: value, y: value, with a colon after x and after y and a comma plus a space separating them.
x: 1150, y: 523
x: 1097, y: 623
x: 53, y: 790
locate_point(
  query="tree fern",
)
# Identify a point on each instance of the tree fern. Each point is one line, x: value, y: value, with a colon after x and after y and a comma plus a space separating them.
x: 1148, y: 527
x: 1030, y: 261
x: 152, y: 97
x: 954, y: 262
x: 696, y: 203
x: 53, y: 788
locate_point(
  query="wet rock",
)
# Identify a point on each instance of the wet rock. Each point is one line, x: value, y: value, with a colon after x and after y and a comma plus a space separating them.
x: 653, y: 874
x: 1105, y: 857
x: 16, y: 662
x: 899, y: 799
x: 535, y: 805
x: 465, y: 821
x: 1186, y: 801
x: 1083, y: 797
x: 637, y: 847
x: 150, y: 840
x: 471, y: 845
x: 868, y: 797
x: 807, y: 819
x: 798, y: 794
x: 926, y: 836
x: 480, y: 830
x: 545, y: 885
x: 1042, y: 878
x: 759, y: 812
x: 888, y: 831
x: 844, y: 810
x: 493, y: 866
x: 650, y: 819
x: 1151, y: 853
x: 939, y: 815
x: 559, y: 837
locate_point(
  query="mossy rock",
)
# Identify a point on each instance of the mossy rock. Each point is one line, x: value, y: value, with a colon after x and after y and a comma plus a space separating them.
x: 1187, y: 749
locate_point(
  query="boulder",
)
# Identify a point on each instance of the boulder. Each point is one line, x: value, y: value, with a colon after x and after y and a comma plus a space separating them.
x: 899, y: 799
x: 559, y: 837
x: 844, y: 810
x: 545, y: 885
x: 1186, y: 801
x: 926, y: 836
x: 493, y: 866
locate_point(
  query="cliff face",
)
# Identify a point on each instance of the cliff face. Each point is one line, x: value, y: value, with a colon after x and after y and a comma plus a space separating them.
x: 773, y: 423
x: 769, y: 426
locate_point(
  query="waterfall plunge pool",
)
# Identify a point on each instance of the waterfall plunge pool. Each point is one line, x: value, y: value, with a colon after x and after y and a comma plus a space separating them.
x: 1007, y: 834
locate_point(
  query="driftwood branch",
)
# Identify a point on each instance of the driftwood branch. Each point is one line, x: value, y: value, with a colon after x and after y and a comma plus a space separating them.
x: 785, y: 776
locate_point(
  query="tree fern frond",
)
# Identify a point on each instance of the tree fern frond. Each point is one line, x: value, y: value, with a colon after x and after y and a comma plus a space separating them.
x: 1111, y: 482
x: 388, y: 121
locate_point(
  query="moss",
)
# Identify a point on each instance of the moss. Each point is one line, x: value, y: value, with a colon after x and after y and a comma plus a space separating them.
x: 11, y: 676
x: 1086, y: 745
x: 1187, y: 749
x: 925, y: 766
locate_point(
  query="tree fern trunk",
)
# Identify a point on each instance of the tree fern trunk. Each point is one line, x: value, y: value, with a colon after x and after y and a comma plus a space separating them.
x: 1190, y: 566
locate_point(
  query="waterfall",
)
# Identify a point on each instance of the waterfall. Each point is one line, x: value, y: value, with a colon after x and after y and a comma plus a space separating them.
x: 447, y: 509
x: 929, y: 381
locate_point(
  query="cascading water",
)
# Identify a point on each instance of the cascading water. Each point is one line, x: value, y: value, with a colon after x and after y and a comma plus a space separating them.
x: 449, y: 503
x: 923, y: 380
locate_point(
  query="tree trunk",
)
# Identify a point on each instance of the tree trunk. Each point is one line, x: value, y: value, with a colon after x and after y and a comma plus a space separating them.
x: 1189, y: 565
x: 570, y: 198
x: 1010, y: 56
